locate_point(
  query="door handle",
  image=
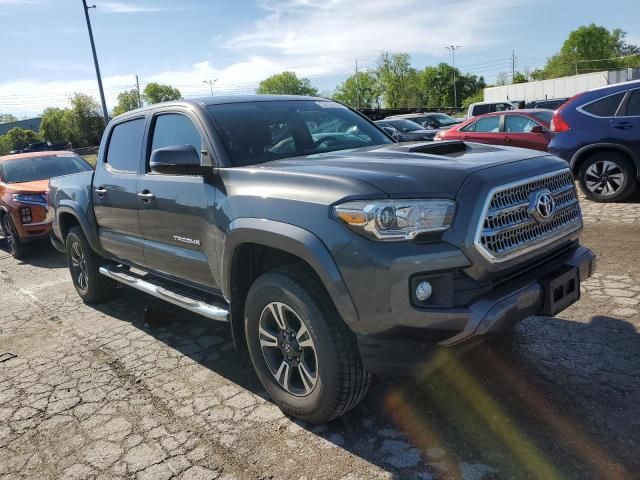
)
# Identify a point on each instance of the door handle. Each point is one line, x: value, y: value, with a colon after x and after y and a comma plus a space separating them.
x: 507, y: 139
x: 101, y: 191
x: 623, y: 125
x: 146, y: 196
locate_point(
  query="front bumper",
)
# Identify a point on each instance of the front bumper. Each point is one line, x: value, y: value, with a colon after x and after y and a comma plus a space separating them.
x: 404, y: 349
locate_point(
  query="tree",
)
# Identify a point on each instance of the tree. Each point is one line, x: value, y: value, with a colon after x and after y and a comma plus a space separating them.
x: 502, y: 79
x: 17, y: 138
x: 436, y: 85
x: 360, y: 90
x: 520, y: 78
x: 156, y: 93
x: 397, y: 79
x: 128, y: 100
x: 478, y: 97
x: 286, y: 83
x: 7, y: 118
x: 84, y: 121
x: 589, y: 48
x: 53, y: 127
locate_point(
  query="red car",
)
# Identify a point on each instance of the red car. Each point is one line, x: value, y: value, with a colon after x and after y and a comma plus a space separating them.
x: 516, y: 128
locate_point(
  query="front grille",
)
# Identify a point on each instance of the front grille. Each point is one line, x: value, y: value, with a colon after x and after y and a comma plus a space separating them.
x: 508, y: 225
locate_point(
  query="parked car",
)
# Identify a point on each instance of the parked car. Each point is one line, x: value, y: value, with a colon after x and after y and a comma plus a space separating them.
x: 480, y: 108
x: 515, y: 128
x: 428, y: 120
x: 24, y: 180
x: 407, y: 131
x: 598, y: 133
x: 330, y: 255
x: 550, y: 104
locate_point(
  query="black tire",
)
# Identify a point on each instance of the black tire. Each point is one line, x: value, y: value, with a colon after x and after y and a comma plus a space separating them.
x: 341, y: 381
x: 618, y: 166
x: 95, y: 288
x: 16, y: 247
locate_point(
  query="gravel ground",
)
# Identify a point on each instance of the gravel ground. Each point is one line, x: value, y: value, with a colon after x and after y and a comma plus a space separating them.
x: 116, y: 392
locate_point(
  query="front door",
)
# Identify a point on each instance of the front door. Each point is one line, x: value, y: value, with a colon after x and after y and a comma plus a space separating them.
x: 176, y: 211
x: 115, y: 188
x: 517, y: 133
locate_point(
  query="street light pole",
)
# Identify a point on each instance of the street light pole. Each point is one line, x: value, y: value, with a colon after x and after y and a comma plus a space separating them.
x: 95, y: 61
x: 211, y: 84
x: 453, y: 49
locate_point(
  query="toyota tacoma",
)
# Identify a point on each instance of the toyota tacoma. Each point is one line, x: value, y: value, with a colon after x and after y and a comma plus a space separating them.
x: 331, y: 251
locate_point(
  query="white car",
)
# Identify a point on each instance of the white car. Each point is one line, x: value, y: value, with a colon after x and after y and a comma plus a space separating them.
x: 480, y: 108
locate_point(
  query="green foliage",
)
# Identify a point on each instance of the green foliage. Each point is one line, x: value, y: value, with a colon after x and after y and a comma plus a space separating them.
x: 286, y: 83
x: 84, y: 121
x: 127, y: 100
x: 436, y: 84
x: 397, y: 79
x: 520, y: 78
x: 156, y: 93
x: 53, y: 127
x: 7, y: 118
x: 589, y: 48
x: 17, y: 138
x: 478, y: 97
x: 360, y: 90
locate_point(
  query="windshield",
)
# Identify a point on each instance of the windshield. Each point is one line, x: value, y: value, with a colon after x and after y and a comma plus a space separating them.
x: 405, y: 126
x: 42, y: 168
x: 543, y: 115
x: 257, y: 132
x: 442, y: 119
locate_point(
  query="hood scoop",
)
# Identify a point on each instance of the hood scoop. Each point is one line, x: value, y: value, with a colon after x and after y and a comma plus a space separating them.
x: 440, y: 148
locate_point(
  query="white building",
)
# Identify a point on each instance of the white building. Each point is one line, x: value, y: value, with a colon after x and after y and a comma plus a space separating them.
x: 559, y: 87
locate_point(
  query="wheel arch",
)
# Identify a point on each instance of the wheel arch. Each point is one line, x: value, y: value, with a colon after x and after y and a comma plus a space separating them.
x: 585, y: 152
x: 253, y: 246
x: 68, y: 216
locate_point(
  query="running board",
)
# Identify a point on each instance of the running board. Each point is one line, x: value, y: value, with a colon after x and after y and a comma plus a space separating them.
x: 194, y: 305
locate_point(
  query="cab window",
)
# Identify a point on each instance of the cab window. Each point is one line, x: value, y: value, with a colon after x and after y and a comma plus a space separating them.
x: 488, y: 125
x: 173, y: 129
x: 518, y: 124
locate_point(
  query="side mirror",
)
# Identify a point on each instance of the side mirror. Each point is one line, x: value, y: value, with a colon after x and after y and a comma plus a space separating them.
x: 176, y: 160
x: 538, y: 129
x: 393, y: 132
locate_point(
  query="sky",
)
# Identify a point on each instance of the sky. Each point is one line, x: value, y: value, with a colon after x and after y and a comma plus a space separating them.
x: 46, y: 56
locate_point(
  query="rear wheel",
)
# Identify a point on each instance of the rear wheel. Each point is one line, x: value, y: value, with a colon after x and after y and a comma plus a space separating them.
x: 304, y: 354
x: 15, y: 246
x: 608, y: 177
x: 84, y: 265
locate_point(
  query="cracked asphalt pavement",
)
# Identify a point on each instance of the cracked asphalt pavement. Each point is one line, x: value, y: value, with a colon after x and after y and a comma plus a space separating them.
x: 138, y: 389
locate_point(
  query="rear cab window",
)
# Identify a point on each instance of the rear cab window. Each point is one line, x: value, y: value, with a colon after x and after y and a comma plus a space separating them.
x: 125, y: 143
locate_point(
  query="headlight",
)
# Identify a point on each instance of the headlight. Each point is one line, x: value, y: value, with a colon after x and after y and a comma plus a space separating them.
x: 394, y: 220
x: 29, y: 198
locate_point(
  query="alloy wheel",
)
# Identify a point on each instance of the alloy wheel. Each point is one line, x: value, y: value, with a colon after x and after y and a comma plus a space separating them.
x: 604, y: 178
x: 79, y: 266
x: 288, y: 349
x: 9, y: 235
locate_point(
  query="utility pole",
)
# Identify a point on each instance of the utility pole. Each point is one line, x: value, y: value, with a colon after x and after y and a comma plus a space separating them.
x: 95, y: 61
x: 211, y: 84
x: 357, y: 86
x: 453, y: 49
x: 138, y: 90
x: 513, y: 67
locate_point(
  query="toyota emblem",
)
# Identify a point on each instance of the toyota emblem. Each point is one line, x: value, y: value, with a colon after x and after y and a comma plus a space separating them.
x: 542, y: 205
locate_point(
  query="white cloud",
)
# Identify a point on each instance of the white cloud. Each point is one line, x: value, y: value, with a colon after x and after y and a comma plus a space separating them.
x: 127, y: 7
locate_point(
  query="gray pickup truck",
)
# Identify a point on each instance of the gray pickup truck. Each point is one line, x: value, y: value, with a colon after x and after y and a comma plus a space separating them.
x: 331, y: 251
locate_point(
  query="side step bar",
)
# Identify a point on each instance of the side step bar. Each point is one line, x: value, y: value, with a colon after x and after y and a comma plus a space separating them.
x: 197, y: 306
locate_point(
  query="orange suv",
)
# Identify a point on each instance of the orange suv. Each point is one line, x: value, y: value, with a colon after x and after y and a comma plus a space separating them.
x: 24, y: 182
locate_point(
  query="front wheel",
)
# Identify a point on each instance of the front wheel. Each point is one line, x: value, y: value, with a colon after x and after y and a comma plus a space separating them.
x: 84, y: 265
x: 304, y: 354
x: 14, y: 244
x: 607, y: 177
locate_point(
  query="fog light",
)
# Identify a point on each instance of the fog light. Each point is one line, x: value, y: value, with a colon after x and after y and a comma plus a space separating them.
x: 25, y: 214
x: 424, y: 291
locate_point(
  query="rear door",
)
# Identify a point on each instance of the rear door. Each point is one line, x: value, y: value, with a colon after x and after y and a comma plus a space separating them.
x: 517, y: 133
x: 625, y: 126
x: 176, y: 211
x: 115, y: 185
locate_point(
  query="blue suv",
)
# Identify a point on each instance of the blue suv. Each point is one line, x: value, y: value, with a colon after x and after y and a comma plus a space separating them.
x: 598, y: 133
